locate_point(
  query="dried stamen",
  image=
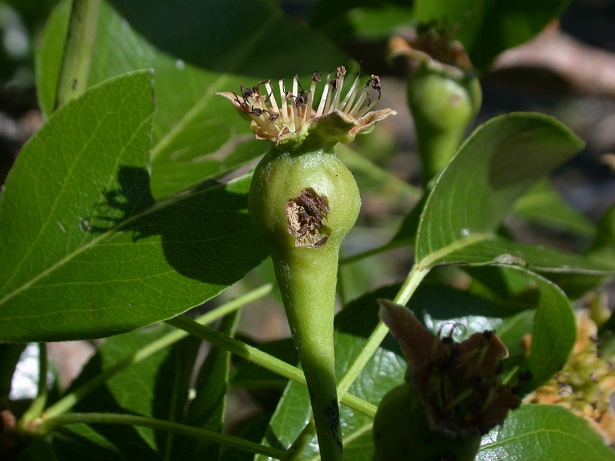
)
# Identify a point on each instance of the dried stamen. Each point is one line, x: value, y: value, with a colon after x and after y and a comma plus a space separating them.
x: 275, y: 119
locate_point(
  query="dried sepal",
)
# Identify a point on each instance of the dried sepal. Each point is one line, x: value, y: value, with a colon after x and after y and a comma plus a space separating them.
x: 459, y: 384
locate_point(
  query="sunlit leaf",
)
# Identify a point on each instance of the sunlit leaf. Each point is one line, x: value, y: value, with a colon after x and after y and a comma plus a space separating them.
x: 195, y: 50
x: 86, y: 250
x: 537, y: 432
x: 477, y: 189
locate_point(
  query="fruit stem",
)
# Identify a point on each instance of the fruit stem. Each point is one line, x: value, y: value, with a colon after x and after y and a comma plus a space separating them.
x: 310, y: 310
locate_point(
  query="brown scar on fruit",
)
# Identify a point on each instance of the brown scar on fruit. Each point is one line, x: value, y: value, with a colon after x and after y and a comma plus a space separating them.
x: 306, y: 217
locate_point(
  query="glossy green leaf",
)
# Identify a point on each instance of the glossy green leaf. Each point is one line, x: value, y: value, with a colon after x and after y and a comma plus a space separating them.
x: 488, y: 27
x: 292, y: 414
x: 86, y: 251
x: 197, y: 49
x: 156, y: 387
x: 554, y: 333
x: 324, y: 13
x: 477, y: 189
x: 381, y: 22
x: 361, y: 19
x: 541, y: 432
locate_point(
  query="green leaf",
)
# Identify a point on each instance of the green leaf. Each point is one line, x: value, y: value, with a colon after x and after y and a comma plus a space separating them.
x: 477, y: 189
x: 197, y: 49
x: 541, y: 432
x: 381, y: 22
x: 488, y: 27
x: 543, y: 205
x: 86, y: 251
x: 156, y: 387
x: 324, y: 13
x: 554, y: 333
x: 361, y: 19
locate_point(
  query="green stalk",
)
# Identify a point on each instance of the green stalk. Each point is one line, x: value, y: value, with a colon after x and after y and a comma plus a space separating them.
x: 262, y: 359
x: 110, y: 418
x: 310, y: 311
x: 415, y: 277
x: 78, y: 50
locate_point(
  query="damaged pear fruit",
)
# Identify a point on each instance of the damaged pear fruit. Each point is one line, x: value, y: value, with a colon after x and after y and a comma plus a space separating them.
x: 402, y: 432
x: 443, y: 91
x: 453, y: 393
x: 304, y: 200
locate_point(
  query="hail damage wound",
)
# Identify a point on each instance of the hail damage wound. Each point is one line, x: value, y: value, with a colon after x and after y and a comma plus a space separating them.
x: 306, y: 218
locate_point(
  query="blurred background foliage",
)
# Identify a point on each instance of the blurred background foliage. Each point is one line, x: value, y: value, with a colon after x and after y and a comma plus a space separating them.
x: 575, y: 89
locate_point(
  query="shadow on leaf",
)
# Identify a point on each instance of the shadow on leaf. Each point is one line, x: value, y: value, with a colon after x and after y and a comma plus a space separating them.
x: 205, y: 233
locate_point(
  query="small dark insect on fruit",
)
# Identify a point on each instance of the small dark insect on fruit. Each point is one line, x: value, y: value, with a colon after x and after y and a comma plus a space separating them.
x: 257, y: 112
x: 313, y: 203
